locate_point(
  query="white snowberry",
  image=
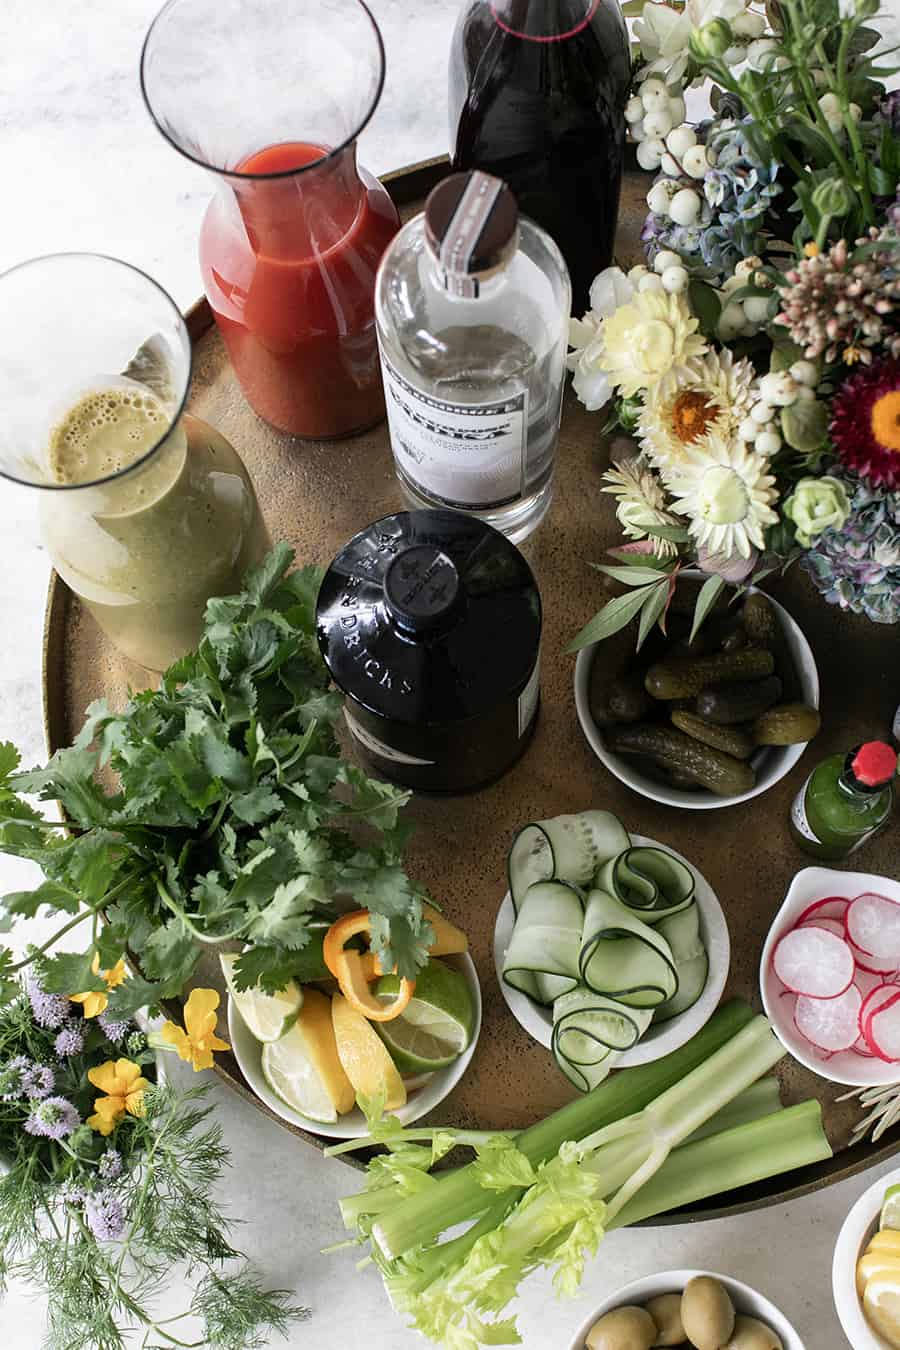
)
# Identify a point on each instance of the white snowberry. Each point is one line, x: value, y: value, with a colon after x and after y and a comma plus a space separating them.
x: 819, y: 78
x: 638, y: 133
x: 658, y: 122
x: 675, y: 279
x: 634, y: 109
x: 654, y: 95
x: 694, y: 161
x: 685, y: 207
x: 767, y: 443
x: 651, y: 282
x: 778, y: 388
x: 748, y: 25
x: 660, y: 195
x: 805, y: 372
x: 680, y: 140
x: 650, y: 152
x: 665, y: 258
x: 731, y: 323
x: 748, y: 429
x: 756, y: 308
x: 761, y: 53
x: 677, y: 109
x: 761, y: 413
x: 670, y: 166
x: 635, y: 273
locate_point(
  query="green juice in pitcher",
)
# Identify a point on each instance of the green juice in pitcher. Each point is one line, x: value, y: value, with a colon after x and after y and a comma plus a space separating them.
x: 845, y: 801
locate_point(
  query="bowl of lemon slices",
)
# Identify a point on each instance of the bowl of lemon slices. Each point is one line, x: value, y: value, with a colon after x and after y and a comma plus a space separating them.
x: 321, y: 1048
x: 865, y: 1273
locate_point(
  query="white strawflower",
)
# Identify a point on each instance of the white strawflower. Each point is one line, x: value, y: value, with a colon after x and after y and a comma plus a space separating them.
x: 713, y: 393
x: 724, y: 490
x: 610, y: 289
x: 640, y: 501
x: 646, y: 338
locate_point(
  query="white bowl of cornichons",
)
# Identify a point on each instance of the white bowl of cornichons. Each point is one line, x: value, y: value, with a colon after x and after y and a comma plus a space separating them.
x: 705, y: 723
x: 692, y: 1309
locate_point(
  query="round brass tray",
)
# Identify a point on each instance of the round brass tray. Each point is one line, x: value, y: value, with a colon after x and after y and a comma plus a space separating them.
x: 316, y: 496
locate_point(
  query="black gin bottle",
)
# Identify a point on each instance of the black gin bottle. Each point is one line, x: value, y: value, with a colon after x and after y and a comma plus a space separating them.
x: 430, y: 622
x: 537, y: 96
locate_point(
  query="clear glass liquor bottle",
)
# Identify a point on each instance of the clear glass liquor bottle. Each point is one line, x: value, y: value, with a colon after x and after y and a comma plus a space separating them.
x: 472, y: 307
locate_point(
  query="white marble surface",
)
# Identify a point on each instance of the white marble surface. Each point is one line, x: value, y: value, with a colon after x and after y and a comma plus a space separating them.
x: 84, y: 169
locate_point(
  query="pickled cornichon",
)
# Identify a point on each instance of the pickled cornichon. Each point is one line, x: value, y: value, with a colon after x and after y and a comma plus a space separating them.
x: 682, y: 677
x: 739, y: 701
x: 786, y: 724
x: 672, y: 749
x: 732, y: 740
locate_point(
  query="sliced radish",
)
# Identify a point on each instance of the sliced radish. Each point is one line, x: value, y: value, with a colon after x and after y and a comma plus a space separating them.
x: 873, y: 1000
x: 835, y: 926
x: 873, y: 965
x: 859, y: 1047
x: 867, y: 980
x: 873, y: 925
x: 884, y: 1030
x: 830, y: 1024
x: 813, y: 961
x: 832, y: 907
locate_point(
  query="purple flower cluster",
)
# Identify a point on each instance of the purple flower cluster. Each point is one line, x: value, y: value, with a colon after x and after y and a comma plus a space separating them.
x: 11, y: 1075
x: 70, y: 1040
x: 50, y: 1010
x: 114, y: 1029
x: 54, y: 1118
x: 110, y: 1165
x: 38, y: 1081
x: 71, y: 1193
x: 105, y: 1216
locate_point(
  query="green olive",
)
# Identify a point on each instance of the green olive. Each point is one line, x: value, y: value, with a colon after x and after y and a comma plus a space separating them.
x: 749, y: 1334
x: 665, y: 1310
x: 624, y: 1328
x: 707, y: 1313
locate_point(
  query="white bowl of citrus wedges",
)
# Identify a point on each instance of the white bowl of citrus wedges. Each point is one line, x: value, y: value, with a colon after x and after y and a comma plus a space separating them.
x: 865, y: 1273
x: 343, y: 1033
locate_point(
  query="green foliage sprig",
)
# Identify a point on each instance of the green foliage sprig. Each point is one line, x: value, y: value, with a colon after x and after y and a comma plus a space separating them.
x: 233, y: 816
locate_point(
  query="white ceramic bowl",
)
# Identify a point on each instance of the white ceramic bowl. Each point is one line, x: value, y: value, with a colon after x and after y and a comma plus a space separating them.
x: 857, y: 1228
x: 815, y: 883
x: 429, y: 1090
x: 770, y: 764
x: 745, y: 1300
x: 657, y: 1040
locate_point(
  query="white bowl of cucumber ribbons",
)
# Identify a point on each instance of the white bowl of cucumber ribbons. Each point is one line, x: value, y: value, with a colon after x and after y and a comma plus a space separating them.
x: 611, y: 949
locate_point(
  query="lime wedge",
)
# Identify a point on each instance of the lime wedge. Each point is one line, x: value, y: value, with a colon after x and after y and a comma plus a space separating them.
x: 292, y: 1074
x: 267, y: 1016
x: 890, y: 1209
x: 436, y: 1025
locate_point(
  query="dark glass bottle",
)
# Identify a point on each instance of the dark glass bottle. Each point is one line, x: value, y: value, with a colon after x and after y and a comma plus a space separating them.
x: 537, y: 97
x: 430, y: 622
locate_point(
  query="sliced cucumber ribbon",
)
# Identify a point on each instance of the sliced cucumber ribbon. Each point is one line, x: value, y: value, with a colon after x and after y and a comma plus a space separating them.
x: 566, y: 848
x: 649, y: 881
x: 624, y: 957
x: 587, y: 1026
x: 546, y: 939
x: 682, y: 932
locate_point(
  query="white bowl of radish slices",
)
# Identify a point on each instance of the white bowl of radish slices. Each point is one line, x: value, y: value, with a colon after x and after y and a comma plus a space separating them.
x: 830, y: 975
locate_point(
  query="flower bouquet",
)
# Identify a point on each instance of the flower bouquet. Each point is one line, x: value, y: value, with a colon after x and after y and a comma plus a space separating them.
x: 107, y: 1184
x: 755, y: 358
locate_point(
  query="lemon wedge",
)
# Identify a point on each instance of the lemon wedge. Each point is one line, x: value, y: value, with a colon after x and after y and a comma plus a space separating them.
x: 881, y: 1304
x: 267, y: 1016
x: 303, y: 1067
x: 364, y: 1057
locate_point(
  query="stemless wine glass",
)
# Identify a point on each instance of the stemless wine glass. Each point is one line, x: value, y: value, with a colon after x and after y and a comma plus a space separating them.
x: 146, y: 512
x: 270, y: 95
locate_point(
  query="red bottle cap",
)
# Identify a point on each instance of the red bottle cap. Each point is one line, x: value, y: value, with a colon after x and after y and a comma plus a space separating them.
x: 874, y: 763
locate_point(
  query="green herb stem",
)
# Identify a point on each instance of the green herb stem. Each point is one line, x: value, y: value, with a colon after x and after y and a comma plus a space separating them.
x: 60, y: 932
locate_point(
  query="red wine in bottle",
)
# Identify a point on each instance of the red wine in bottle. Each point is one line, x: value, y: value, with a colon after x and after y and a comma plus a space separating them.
x: 537, y: 97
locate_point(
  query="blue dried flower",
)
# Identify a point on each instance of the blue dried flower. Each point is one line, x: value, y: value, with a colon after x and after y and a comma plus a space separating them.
x: 858, y: 566
x: 11, y: 1078
x: 70, y: 1040
x: 105, y: 1216
x: 110, y: 1166
x: 54, y: 1118
x: 38, y: 1081
x: 50, y: 1010
x: 114, y: 1029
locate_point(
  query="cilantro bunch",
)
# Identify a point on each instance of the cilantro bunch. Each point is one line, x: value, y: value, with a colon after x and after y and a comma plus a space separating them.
x: 214, y: 809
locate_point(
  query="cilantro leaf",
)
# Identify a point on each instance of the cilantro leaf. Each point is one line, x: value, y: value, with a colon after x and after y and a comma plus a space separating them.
x: 169, y: 954
x: 266, y: 967
x: 49, y: 893
x: 259, y: 804
x: 70, y: 973
x: 9, y: 758
x: 70, y: 778
x: 283, y: 920
x: 132, y: 995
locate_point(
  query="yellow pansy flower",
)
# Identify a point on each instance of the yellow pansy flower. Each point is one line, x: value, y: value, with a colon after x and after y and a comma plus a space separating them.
x: 196, y: 1041
x: 94, y: 1002
x: 121, y: 1080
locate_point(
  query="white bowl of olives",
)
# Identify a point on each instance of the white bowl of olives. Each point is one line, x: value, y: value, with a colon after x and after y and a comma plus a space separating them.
x: 688, y: 1309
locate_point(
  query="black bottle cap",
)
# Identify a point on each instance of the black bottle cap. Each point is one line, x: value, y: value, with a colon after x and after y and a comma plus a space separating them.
x: 421, y: 588
x: 471, y: 222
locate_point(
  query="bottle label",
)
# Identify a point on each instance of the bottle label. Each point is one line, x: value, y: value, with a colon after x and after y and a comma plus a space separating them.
x: 468, y: 455
x: 528, y: 699
x: 377, y: 747
x: 799, y: 818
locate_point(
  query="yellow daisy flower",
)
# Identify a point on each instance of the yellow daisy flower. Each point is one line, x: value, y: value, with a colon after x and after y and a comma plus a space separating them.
x: 196, y: 1041
x: 93, y: 1001
x: 121, y: 1080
